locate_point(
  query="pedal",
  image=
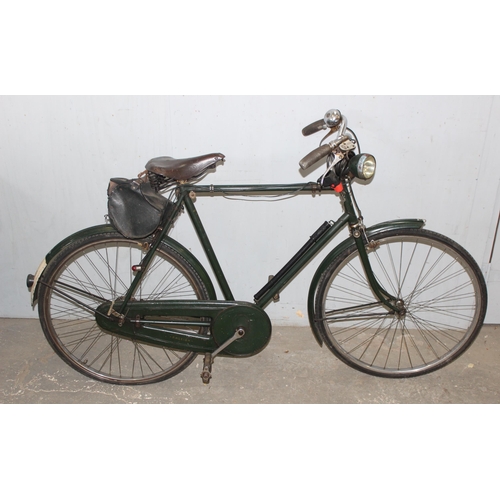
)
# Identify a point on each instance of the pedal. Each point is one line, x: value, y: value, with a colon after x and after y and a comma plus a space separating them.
x: 208, y: 361
x: 206, y: 374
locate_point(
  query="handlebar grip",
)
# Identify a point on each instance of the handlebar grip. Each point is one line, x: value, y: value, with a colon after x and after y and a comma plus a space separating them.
x: 314, y: 127
x: 315, y: 156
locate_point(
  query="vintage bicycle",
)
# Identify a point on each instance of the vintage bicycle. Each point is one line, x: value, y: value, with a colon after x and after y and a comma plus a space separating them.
x: 125, y: 303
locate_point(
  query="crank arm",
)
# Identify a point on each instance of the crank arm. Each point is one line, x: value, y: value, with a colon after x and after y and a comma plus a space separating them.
x: 206, y: 374
x: 237, y: 335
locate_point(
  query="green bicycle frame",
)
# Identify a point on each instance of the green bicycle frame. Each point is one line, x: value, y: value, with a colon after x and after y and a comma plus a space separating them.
x: 186, y: 196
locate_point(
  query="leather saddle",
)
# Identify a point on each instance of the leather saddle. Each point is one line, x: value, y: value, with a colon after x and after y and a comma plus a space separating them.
x: 184, y: 169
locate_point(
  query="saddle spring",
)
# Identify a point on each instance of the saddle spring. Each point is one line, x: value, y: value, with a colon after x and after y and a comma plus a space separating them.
x: 158, y: 182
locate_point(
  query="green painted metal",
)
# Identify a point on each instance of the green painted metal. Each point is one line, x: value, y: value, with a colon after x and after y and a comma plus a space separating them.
x: 252, y: 320
x: 287, y: 274
x: 246, y: 189
x: 223, y: 317
x: 154, y: 334
x: 195, y: 264
x: 149, y: 322
x: 90, y: 231
x: 370, y: 232
x: 148, y: 257
x: 290, y: 273
x: 107, y: 228
x: 207, y: 246
x: 354, y: 221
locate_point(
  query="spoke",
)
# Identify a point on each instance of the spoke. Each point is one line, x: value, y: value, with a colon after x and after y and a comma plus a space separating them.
x: 384, y: 270
x: 432, y: 285
x: 390, y: 349
x: 409, y: 265
x: 81, y: 283
x: 441, y: 300
x: 362, y: 326
x: 140, y: 351
x: 112, y: 273
x: 433, y: 326
x: 85, y: 293
x: 416, y: 289
x: 152, y: 360
x: 94, y: 339
x: 380, y: 345
x: 108, y: 348
x: 100, y: 272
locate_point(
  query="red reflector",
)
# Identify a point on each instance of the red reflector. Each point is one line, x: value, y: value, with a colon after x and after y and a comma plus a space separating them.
x: 338, y: 188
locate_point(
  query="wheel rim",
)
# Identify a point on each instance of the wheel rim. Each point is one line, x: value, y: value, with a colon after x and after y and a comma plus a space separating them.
x: 441, y: 307
x: 99, y: 272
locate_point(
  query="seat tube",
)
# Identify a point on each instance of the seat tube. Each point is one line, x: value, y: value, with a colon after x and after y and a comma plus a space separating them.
x: 207, y: 247
x: 147, y: 258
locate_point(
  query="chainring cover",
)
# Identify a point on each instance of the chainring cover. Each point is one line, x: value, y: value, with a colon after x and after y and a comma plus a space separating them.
x: 253, y: 320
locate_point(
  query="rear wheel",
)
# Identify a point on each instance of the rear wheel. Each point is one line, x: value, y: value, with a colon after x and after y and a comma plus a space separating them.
x: 98, y: 269
x: 443, y: 292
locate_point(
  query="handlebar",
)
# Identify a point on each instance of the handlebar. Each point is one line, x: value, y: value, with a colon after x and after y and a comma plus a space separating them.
x: 315, y: 156
x: 314, y: 127
x: 332, y: 120
x: 321, y: 152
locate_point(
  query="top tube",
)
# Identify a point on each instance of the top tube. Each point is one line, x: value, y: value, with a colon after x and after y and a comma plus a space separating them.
x: 242, y: 189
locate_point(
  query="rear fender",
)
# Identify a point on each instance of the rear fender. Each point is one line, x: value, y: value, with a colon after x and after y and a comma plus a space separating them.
x: 106, y: 228
x: 371, y: 231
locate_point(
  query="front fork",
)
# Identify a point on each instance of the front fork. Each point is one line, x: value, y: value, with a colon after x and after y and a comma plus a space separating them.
x: 362, y: 243
x: 358, y: 232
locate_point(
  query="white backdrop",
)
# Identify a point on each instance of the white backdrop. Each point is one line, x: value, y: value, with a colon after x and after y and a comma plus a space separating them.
x: 436, y: 156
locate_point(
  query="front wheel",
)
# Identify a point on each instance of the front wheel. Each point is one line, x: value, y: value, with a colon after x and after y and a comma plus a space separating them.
x: 440, y: 285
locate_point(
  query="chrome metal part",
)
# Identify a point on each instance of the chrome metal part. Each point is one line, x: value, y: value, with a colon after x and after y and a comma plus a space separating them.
x: 348, y: 145
x: 115, y: 314
x: 333, y: 117
x: 206, y: 374
x: 208, y: 360
x: 240, y: 332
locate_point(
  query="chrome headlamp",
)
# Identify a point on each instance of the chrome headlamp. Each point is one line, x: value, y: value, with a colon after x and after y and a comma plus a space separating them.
x: 362, y: 166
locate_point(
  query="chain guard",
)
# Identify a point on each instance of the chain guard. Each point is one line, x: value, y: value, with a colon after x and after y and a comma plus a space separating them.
x: 223, y: 319
x: 253, y: 320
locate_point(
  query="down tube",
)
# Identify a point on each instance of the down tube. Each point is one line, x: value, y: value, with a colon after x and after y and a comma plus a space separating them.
x: 298, y: 262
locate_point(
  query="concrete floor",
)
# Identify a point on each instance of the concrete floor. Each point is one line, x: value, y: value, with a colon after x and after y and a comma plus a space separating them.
x: 292, y: 369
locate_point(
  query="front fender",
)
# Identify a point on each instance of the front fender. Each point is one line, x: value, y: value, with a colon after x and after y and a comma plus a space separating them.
x: 371, y: 231
x: 107, y: 228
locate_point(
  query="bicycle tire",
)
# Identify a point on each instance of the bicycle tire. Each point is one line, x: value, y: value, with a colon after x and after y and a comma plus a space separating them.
x: 98, y: 269
x: 444, y: 296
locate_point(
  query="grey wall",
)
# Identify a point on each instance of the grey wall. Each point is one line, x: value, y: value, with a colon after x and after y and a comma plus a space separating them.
x: 437, y: 159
